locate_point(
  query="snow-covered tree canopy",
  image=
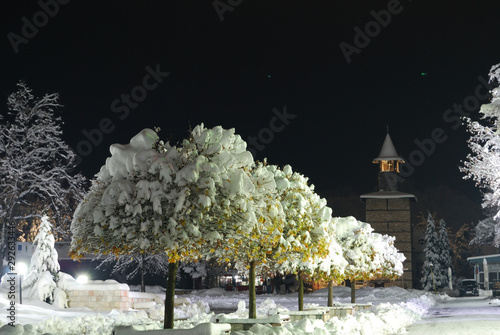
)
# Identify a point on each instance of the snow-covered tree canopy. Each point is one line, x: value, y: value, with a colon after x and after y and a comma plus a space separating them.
x: 483, y: 164
x: 369, y: 255
x: 158, y: 198
x: 487, y: 232
x: 308, y: 240
x: 255, y: 239
x: 35, y: 163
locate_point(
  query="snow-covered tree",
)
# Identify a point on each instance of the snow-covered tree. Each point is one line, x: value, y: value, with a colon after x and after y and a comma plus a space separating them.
x: 483, y: 163
x: 445, y: 251
x: 194, y: 269
x: 487, y: 232
x: 35, y: 163
x: 43, y: 273
x: 255, y: 240
x: 369, y: 255
x: 432, y: 270
x: 308, y: 239
x: 135, y: 265
x: 331, y: 268
x: 155, y: 198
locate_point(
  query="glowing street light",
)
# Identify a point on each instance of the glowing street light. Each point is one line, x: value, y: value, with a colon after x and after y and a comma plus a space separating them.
x: 82, y: 279
x: 21, y: 270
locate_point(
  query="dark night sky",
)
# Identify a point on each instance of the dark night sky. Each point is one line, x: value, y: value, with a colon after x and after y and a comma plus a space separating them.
x: 265, y: 55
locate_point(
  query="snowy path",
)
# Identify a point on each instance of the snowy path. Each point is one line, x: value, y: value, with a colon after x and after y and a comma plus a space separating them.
x: 467, y: 315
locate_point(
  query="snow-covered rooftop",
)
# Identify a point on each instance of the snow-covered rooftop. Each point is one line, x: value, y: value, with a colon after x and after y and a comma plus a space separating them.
x: 388, y: 152
x: 490, y: 258
x: 387, y: 195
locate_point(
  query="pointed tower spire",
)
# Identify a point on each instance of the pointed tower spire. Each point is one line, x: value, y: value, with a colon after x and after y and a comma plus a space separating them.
x: 388, y: 158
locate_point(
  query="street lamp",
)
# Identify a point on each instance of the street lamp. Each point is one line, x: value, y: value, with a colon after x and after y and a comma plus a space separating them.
x: 82, y: 279
x: 21, y: 270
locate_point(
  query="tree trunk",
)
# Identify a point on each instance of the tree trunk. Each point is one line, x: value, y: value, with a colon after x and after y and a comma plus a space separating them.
x: 143, y: 285
x: 301, y: 292
x: 252, y: 303
x: 330, y: 294
x: 353, y: 291
x: 168, y: 322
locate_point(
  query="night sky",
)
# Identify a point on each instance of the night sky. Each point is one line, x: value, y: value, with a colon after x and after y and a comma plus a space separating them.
x: 316, y: 83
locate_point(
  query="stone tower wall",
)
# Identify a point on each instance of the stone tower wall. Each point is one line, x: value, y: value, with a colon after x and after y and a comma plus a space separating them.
x: 392, y: 217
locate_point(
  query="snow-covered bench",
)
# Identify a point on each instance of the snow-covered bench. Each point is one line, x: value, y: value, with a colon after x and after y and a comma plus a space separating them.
x: 246, y: 324
x: 201, y: 329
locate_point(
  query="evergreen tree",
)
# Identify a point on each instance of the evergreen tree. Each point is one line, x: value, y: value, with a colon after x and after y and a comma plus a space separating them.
x: 432, y: 265
x: 35, y: 163
x: 44, y: 268
x: 445, y: 251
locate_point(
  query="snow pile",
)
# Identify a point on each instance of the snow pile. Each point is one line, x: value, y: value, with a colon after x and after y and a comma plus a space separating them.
x: 405, y: 308
x: 495, y: 302
x: 386, y: 318
x: 90, y: 323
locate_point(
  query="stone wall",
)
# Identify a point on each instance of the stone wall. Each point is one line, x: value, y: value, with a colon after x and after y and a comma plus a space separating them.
x: 391, y: 216
x: 100, y: 300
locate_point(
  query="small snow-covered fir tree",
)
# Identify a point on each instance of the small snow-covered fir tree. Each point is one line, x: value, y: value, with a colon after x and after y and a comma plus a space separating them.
x: 35, y: 163
x: 432, y: 264
x: 445, y: 251
x: 44, y: 267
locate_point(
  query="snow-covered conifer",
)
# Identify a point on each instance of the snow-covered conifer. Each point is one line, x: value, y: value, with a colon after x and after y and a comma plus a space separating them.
x: 44, y: 267
x: 432, y: 271
x: 445, y: 249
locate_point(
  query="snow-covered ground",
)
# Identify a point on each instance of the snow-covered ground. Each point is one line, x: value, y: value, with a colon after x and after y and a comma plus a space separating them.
x: 394, y: 309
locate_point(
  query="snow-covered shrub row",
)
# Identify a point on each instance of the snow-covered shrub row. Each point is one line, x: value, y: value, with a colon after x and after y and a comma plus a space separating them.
x: 208, y: 199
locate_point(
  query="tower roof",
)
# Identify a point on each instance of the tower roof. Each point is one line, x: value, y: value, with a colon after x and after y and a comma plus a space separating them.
x: 388, y: 152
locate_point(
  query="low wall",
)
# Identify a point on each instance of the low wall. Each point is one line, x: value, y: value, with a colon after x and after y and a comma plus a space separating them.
x: 100, y: 300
